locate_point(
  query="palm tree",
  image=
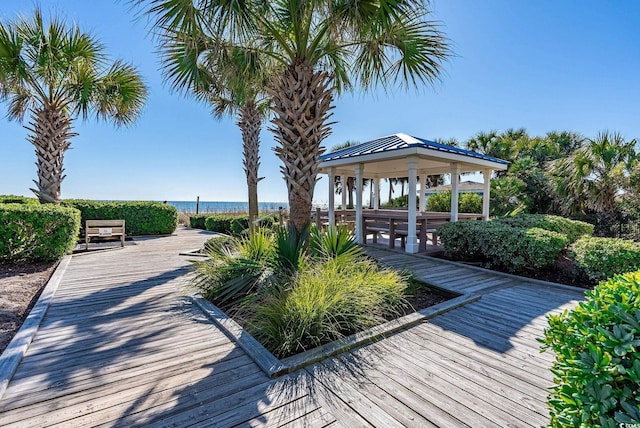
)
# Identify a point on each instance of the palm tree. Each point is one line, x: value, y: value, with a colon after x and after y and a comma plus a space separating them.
x: 233, y: 81
x: 325, y: 47
x: 57, y: 73
x: 493, y: 144
x: 594, y: 174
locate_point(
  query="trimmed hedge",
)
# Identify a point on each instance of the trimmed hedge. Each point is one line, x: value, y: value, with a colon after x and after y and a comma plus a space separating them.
x: 574, y: 229
x: 13, y: 199
x: 601, y: 258
x: 500, y: 245
x: 32, y: 232
x: 597, y: 357
x: 231, y: 225
x: 141, y: 217
x: 197, y: 221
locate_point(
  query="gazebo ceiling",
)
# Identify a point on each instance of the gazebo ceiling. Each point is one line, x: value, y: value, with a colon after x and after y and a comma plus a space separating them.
x: 387, y: 157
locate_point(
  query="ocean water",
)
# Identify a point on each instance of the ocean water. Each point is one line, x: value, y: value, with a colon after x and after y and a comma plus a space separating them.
x: 225, y: 207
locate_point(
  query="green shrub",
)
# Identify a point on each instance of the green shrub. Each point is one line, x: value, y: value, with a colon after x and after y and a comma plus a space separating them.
x: 229, y: 224
x: 141, y: 217
x: 601, y: 258
x: 197, y: 221
x: 467, y: 202
x: 33, y: 232
x: 574, y: 229
x: 597, y: 357
x: 500, y: 245
x: 13, y: 199
x: 325, y: 303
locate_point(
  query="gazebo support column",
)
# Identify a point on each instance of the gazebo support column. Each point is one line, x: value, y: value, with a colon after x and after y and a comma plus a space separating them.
x: 412, y: 238
x: 343, y: 180
x: 376, y: 193
x: 423, y: 189
x: 360, y: 238
x: 486, y: 193
x: 332, y: 192
x: 455, y: 179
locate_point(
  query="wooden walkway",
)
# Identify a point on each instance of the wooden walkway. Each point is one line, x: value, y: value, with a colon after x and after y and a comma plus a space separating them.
x: 121, y: 345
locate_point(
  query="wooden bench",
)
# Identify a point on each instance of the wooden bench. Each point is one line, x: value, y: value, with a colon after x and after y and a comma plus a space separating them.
x: 103, y: 228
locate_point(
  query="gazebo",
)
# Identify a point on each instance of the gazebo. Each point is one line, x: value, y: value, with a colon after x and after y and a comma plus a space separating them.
x: 402, y: 155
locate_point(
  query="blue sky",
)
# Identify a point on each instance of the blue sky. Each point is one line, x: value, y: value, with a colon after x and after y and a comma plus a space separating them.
x: 543, y: 65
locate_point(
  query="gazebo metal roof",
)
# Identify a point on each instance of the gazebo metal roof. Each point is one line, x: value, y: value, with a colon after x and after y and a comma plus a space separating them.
x: 382, y: 156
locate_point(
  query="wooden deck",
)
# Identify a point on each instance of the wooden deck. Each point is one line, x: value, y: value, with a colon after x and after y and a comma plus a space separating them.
x: 121, y: 345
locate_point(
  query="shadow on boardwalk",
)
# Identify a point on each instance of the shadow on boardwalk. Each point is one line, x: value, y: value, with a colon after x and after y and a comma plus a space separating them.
x: 120, y: 346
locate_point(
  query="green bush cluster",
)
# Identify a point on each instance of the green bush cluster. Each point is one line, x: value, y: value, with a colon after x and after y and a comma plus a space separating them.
x: 13, y: 199
x: 33, y: 232
x: 231, y: 225
x: 294, y: 297
x: 574, y: 229
x: 467, y: 202
x: 601, y: 258
x: 141, y: 217
x: 597, y: 357
x: 197, y: 221
x: 501, y: 245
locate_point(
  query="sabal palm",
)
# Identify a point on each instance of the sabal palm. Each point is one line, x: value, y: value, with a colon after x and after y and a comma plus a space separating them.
x: 593, y: 175
x: 233, y: 81
x: 57, y: 72
x: 493, y: 144
x: 324, y: 46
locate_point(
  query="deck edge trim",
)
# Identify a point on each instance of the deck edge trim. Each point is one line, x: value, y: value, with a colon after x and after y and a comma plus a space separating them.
x: 273, y: 367
x: 14, y: 352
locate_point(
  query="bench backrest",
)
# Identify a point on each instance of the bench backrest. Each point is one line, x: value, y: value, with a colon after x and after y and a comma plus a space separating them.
x: 104, y: 223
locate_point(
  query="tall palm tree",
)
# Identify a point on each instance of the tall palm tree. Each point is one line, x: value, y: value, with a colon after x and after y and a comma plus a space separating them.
x: 325, y: 47
x: 57, y: 72
x: 233, y: 81
x: 594, y: 174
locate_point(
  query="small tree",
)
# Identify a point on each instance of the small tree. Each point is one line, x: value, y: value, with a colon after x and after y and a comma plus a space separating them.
x: 57, y: 72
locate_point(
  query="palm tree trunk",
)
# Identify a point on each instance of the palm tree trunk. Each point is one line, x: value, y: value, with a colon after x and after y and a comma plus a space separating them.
x: 50, y: 129
x: 250, y: 123
x: 301, y: 101
x: 390, y: 180
x: 351, y: 185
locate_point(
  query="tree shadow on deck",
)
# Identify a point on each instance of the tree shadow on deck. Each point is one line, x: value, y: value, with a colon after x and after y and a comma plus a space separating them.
x: 510, y: 317
x: 89, y: 341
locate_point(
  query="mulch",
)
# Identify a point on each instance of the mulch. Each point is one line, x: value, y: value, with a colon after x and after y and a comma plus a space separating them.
x: 20, y: 287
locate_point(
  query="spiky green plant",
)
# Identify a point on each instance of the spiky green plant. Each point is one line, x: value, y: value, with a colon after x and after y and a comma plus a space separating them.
x: 236, y: 268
